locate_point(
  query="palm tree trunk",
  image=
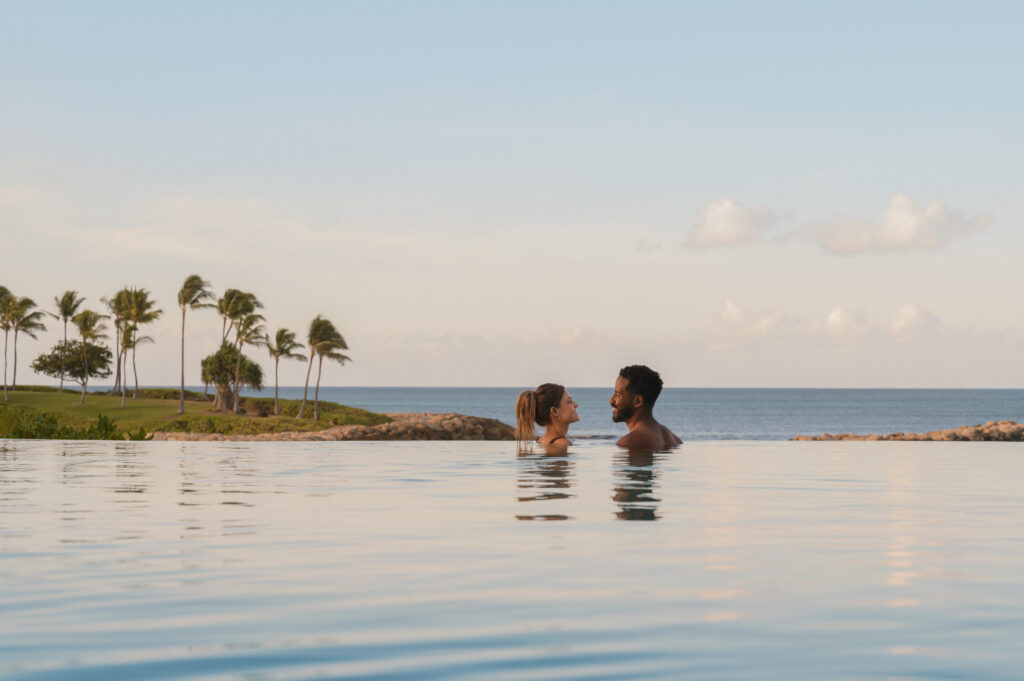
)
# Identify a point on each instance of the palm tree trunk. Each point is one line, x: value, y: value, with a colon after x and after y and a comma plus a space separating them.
x: 181, y: 399
x: 277, y: 407
x: 238, y: 379
x: 135, y: 371
x: 63, y: 348
x: 305, y: 390
x: 14, y: 374
x: 6, y: 331
x: 124, y: 383
x: 117, y: 375
x: 316, y: 393
x: 85, y: 361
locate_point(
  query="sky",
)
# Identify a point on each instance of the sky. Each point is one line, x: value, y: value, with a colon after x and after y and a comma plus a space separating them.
x: 739, y: 194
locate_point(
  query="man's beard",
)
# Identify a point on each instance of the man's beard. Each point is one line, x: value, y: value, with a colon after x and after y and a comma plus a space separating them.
x: 623, y: 413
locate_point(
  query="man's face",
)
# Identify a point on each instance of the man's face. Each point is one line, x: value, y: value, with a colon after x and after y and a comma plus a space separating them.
x: 622, y: 401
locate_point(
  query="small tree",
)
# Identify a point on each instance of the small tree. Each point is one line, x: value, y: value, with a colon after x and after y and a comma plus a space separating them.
x: 221, y: 367
x: 71, y: 359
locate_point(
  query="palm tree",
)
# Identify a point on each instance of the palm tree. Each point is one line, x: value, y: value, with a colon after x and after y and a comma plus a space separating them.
x: 331, y: 349
x: 140, y: 311
x: 26, y: 319
x: 283, y: 346
x: 6, y: 315
x: 324, y: 340
x: 90, y: 326
x: 234, y: 305
x: 118, y: 306
x: 248, y: 331
x: 67, y: 306
x: 192, y: 294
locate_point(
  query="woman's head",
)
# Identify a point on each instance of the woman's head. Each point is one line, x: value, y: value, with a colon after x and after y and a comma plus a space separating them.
x: 547, y: 404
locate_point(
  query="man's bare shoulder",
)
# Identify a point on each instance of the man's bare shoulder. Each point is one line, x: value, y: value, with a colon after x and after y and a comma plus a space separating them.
x: 653, y: 438
x: 638, y: 439
x: 671, y: 439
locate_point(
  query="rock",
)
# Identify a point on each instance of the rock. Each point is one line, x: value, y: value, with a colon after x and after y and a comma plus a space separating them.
x: 1005, y: 431
x: 404, y: 426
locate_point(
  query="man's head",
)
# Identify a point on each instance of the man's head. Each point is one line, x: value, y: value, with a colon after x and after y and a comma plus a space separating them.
x: 637, y: 388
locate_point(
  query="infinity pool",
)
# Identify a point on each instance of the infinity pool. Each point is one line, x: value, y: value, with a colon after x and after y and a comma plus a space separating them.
x: 466, y: 560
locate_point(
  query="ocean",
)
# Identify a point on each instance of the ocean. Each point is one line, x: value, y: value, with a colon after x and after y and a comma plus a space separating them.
x: 716, y: 413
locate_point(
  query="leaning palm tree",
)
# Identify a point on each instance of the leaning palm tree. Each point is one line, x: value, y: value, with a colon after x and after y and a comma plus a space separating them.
x: 248, y: 331
x: 322, y: 337
x: 27, y: 320
x: 331, y: 349
x: 67, y: 306
x: 319, y: 330
x: 192, y: 295
x: 7, y: 303
x: 284, y: 346
x: 140, y: 311
x: 233, y: 306
x: 90, y: 327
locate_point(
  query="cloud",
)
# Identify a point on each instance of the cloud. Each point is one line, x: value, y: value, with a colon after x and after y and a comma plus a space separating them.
x: 12, y: 196
x: 724, y: 222
x: 904, y: 227
x: 735, y: 325
x: 644, y: 245
x: 910, y: 321
x: 841, y: 324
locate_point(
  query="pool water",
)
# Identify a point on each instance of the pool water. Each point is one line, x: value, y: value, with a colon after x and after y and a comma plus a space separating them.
x: 468, y: 560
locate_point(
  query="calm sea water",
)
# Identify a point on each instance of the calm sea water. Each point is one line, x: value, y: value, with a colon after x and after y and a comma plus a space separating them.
x: 465, y: 560
x: 720, y: 414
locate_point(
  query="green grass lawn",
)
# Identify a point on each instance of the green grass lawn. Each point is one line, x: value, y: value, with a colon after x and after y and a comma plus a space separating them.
x: 154, y: 414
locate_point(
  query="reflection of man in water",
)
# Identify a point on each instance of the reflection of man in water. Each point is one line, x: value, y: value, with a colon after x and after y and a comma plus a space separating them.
x: 634, y: 474
x: 636, y: 390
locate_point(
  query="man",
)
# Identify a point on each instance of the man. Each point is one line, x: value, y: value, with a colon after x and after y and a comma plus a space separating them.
x: 636, y: 390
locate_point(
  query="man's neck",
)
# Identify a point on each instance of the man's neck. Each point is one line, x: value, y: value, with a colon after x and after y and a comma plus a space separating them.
x: 640, y: 418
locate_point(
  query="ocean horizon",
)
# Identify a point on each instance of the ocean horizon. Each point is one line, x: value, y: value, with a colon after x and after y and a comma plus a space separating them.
x: 708, y: 413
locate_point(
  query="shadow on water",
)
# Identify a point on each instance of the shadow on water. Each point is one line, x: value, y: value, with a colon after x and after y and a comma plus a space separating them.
x: 634, y: 474
x: 545, y: 477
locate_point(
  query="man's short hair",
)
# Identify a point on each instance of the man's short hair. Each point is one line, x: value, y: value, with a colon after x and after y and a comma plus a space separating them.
x: 643, y: 381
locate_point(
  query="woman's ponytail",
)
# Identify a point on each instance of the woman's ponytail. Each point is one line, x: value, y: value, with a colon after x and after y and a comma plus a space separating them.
x: 526, y: 414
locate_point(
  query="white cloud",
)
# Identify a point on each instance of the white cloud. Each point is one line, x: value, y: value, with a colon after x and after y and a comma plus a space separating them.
x: 911, y: 321
x: 841, y: 324
x: 735, y: 325
x: 904, y: 227
x: 724, y: 222
x: 11, y: 196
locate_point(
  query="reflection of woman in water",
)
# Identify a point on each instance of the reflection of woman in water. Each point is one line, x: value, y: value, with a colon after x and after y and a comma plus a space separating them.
x: 549, y: 405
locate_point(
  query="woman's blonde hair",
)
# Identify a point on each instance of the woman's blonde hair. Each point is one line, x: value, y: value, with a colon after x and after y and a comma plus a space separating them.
x: 534, y: 406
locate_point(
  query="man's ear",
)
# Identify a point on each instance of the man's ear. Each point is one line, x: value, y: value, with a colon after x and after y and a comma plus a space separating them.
x: 638, y: 401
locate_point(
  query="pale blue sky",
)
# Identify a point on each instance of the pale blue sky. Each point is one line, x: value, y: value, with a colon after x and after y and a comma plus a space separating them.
x: 505, y: 193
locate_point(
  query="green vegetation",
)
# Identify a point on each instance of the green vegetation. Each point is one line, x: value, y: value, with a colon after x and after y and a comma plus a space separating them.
x: 71, y: 359
x: 43, y: 410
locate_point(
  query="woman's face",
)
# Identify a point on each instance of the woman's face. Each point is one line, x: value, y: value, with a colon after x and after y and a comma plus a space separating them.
x: 566, y: 409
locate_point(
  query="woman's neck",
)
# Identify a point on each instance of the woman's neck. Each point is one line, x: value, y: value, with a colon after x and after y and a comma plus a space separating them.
x: 555, y: 431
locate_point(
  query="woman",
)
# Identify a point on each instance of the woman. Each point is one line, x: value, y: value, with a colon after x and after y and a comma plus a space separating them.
x: 549, y: 405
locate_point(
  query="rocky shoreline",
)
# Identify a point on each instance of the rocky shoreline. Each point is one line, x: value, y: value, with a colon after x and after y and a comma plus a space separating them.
x: 1005, y: 431
x: 404, y: 426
